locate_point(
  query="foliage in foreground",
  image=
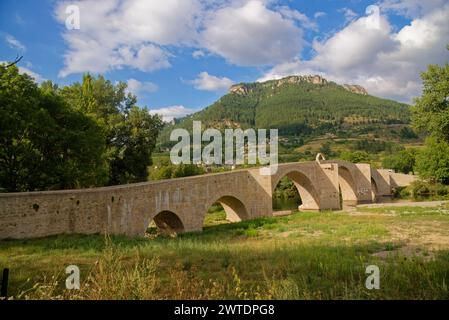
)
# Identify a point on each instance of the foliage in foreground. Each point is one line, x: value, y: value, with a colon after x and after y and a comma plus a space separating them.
x: 84, y: 135
x: 431, y: 115
x: 302, y: 256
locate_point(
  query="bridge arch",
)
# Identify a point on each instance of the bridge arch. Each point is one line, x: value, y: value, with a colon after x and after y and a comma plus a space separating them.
x: 306, y: 189
x: 168, y: 222
x: 235, y: 209
x: 347, y: 185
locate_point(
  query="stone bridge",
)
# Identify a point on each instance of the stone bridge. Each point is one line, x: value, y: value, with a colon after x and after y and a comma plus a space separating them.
x: 181, y: 204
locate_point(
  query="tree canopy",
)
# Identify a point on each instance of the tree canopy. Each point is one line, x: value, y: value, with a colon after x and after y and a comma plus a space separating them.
x: 84, y: 135
x: 431, y: 115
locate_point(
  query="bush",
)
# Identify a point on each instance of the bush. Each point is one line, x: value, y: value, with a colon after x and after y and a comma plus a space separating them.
x: 403, y: 161
x: 356, y: 156
x: 432, y: 162
x: 168, y: 171
x: 419, y: 190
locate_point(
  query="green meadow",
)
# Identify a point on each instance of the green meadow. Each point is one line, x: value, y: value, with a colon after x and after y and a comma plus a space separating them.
x: 304, y: 255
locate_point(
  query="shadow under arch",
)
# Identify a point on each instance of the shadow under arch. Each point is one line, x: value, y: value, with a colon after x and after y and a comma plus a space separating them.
x: 374, y: 190
x: 235, y: 209
x: 168, y: 222
x: 347, y: 186
x: 306, y: 189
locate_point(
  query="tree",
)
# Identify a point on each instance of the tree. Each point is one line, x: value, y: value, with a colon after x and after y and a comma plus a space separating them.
x: 431, y: 111
x: 407, y: 134
x: 355, y: 157
x: 403, y: 161
x: 44, y: 143
x: 431, y: 115
x: 130, y: 132
x: 326, y: 150
x: 133, y: 144
x: 433, y: 161
x: 168, y: 171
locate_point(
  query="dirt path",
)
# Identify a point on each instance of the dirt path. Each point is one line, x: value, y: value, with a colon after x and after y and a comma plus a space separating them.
x: 423, y: 204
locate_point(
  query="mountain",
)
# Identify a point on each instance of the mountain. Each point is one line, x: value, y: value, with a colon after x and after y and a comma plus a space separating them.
x: 307, y: 106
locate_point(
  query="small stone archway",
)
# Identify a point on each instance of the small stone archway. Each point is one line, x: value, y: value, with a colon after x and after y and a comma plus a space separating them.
x: 347, y: 186
x: 235, y: 209
x: 168, y: 222
x: 307, y: 191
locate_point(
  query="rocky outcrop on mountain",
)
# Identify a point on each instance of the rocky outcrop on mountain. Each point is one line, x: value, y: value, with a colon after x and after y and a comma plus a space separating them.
x: 246, y: 88
x: 316, y: 79
x: 356, y: 89
x: 242, y: 89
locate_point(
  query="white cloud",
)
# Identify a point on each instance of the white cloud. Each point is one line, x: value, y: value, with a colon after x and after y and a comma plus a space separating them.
x: 198, y: 54
x: 411, y: 8
x: 385, y: 62
x: 299, y: 17
x: 138, y: 87
x: 13, y: 43
x: 116, y: 34
x: 349, y: 14
x: 37, y: 77
x: 251, y: 35
x: 171, y: 112
x: 139, y: 34
x: 208, y: 82
x: 319, y: 14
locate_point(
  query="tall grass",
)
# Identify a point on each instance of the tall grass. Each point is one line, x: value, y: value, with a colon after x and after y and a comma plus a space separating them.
x: 302, y: 256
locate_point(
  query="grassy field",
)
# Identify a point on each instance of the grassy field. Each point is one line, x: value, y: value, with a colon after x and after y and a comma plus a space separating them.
x: 301, y: 256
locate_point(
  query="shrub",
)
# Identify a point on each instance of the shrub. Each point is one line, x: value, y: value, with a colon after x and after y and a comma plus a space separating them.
x: 423, y: 189
x: 433, y: 161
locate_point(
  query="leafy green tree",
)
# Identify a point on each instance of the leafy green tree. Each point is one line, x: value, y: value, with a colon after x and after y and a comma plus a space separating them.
x: 169, y: 171
x: 130, y: 132
x: 431, y: 115
x: 355, y: 157
x: 407, y: 134
x: 44, y: 143
x: 403, y: 161
x: 134, y: 142
x: 326, y: 150
x: 431, y: 110
x: 433, y: 161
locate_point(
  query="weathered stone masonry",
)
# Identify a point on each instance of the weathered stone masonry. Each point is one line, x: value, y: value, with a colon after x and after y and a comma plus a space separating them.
x: 181, y: 204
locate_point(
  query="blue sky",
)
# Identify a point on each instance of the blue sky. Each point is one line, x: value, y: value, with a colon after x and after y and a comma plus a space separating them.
x: 181, y: 55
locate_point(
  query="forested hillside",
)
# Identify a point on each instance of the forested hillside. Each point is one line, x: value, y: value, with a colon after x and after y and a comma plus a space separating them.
x: 298, y: 107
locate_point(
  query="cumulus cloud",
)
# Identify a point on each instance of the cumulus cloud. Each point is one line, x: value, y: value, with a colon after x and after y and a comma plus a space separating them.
x: 115, y: 34
x: 139, y: 34
x: 13, y: 43
x: 171, y: 112
x: 208, y: 82
x: 386, y: 62
x: 138, y: 87
x: 252, y: 35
